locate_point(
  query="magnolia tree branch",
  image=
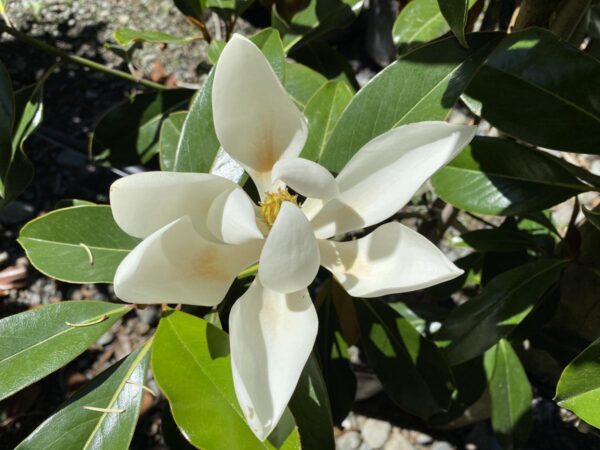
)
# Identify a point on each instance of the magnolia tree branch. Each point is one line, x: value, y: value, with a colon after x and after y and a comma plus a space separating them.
x: 77, y: 59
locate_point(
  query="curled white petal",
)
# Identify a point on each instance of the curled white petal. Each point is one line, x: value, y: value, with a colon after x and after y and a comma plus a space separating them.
x: 231, y: 218
x: 271, y: 336
x: 289, y: 260
x: 144, y: 202
x: 390, y: 260
x: 177, y: 265
x: 305, y: 177
x: 255, y: 120
x: 384, y: 174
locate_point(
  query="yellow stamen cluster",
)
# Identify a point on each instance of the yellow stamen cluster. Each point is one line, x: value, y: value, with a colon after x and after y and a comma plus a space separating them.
x: 271, y: 205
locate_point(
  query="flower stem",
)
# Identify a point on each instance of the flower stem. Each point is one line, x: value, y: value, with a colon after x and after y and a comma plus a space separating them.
x: 77, y: 59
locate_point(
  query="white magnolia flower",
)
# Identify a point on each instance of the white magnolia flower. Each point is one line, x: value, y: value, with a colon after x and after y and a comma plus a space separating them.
x: 200, y: 230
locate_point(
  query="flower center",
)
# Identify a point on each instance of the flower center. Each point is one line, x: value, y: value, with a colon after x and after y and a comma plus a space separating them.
x: 271, y: 205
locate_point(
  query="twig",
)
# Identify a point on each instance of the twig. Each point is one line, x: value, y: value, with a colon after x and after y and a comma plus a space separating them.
x: 77, y: 59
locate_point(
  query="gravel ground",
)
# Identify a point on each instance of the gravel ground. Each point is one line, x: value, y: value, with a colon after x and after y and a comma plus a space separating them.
x: 75, y: 99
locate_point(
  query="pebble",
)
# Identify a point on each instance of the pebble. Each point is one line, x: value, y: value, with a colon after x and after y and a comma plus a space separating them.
x: 423, y: 439
x: 376, y: 432
x: 350, y: 440
x: 398, y: 442
x: 441, y: 445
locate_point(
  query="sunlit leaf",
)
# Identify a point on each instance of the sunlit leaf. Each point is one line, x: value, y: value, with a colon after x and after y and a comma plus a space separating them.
x: 125, y: 36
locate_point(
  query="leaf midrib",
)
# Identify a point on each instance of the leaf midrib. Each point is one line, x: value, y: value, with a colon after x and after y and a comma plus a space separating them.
x: 69, y: 244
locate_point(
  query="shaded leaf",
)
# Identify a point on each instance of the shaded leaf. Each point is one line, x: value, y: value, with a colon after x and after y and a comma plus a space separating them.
x: 311, y: 409
x: 593, y: 216
x: 505, y: 240
x: 417, y: 87
x: 545, y: 92
x: 481, y: 322
x: 35, y: 343
x: 81, y: 244
x: 128, y: 134
x: 413, y: 371
x: 74, y: 427
x: 191, y: 364
x: 455, y: 12
x: 505, y: 178
x: 510, y: 393
x: 327, y: 61
x: 170, y: 133
x: 193, y: 8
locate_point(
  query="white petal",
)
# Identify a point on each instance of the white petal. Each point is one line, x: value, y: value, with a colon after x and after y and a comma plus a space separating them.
x: 305, y: 177
x: 289, y: 260
x: 271, y: 336
x: 384, y: 174
x: 144, y: 202
x: 255, y: 120
x: 390, y: 260
x: 231, y: 218
x: 177, y: 265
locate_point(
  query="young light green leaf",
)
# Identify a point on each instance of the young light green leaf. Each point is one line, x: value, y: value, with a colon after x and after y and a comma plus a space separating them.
x: 413, y: 371
x: 82, y: 244
x: 311, y: 409
x: 505, y: 178
x: 544, y: 92
x: 481, y: 322
x: 455, y: 12
x: 323, y: 111
x: 579, y: 385
x: 128, y: 133
x: 302, y: 82
x: 269, y: 42
x: 170, y: 133
x: 191, y: 365
x: 510, y: 393
x: 125, y: 36
x: 102, y: 415
x: 421, y: 21
x: 214, y: 50
x: 35, y: 343
x: 409, y: 90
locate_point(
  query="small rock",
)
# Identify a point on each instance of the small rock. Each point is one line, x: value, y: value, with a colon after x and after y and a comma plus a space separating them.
x: 398, y: 442
x: 441, y: 445
x: 376, y: 432
x: 423, y: 439
x: 350, y: 440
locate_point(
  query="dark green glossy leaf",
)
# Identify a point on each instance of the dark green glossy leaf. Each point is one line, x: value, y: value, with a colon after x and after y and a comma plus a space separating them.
x: 505, y: 178
x: 28, y: 112
x: 503, y: 240
x: 35, y: 343
x: 323, y: 111
x: 311, y: 409
x: 82, y: 244
x: 579, y: 385
x: 300, y: 26
x: 302, y: 82
x: 193, y: 8
x: 170, y: 133
x: 128, y: 133
x: 74, y: 427
x: 413, y: 371
x: 198, y: 127
x: 327, y: 61
x: 481, y: 322
x: 417, y: 87
x: 544, y: 92
x: 191, y: 364
x: 125, y: 36
x: 421, y: 21
x: 455, y: 12
x: 510, y: 393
